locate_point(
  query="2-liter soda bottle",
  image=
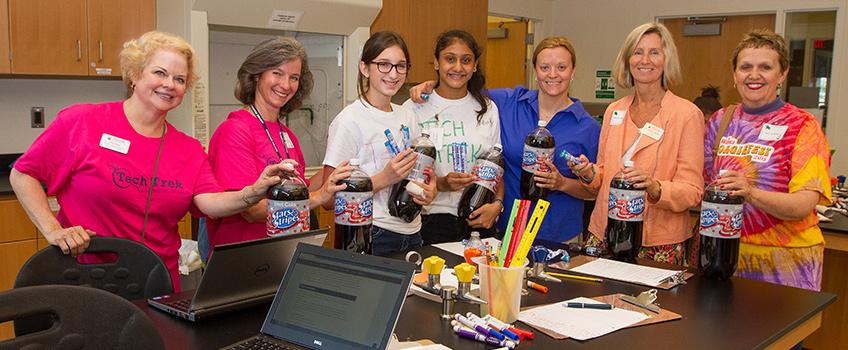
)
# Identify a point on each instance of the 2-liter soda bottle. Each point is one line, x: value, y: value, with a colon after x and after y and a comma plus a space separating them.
x: 354, y: 208
x: 487, y: 172
x: 538, y: 147
x: 626, y: 206
x: 721, y: 228
x: 288, y: 205
x: 400, y: 200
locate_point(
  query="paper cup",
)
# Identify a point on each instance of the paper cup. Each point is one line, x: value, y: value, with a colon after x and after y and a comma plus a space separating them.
x: 501, y: 288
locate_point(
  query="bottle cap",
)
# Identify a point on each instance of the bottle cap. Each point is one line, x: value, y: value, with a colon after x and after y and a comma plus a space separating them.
x: 721, y: 172
x: 288, y: 166
x: 543, y: 123
x: 354, y: 162
x: 497, y: 146
x: 425, y: 133
x: 628, y: 164
x: 475, y: 234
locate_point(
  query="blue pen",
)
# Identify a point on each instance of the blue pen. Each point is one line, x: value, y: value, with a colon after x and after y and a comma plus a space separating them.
x: 392, y: 141
x: 391, y: 150
x: 570, y: 158
x: 589, y: 306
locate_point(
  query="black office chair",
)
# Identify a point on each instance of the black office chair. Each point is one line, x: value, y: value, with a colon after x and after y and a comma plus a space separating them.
x: 81, y: 318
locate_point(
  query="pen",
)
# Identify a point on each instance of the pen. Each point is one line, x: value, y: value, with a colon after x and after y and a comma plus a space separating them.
x: 589, y: 306
x: 537, y: 286
x: 576, y: 277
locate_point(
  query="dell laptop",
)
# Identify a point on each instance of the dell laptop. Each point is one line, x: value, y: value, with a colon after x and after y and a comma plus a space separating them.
x: 334, y: 299
x: 238, y: 275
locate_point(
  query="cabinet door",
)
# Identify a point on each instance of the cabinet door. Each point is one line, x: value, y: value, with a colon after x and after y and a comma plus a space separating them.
x: 5, y: 65
x: 12, y: 256
x: 48, y: 37
x: 110, y: 24
x: 14, y: 223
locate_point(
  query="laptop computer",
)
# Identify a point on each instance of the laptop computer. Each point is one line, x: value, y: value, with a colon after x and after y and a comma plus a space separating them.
x: 334, y: 299
x: 238, y: 275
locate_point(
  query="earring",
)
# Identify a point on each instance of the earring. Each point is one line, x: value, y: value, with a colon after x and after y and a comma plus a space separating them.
x: 436, y: 66
x: 475, y: 69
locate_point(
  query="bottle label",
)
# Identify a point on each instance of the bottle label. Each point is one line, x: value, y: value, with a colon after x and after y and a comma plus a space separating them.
x: 354, y: 208
x: 534, y: 158
x: 487, y: 174
x: 626, y: 205
x: 423, y: 163
x: 721, y: 220
x: 287, y: 217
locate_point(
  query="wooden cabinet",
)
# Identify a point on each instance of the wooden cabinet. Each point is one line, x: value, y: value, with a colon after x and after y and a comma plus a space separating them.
x: 13, y: 255
x: 74, y: 37
x: 421, y: 22
x: 110, y: 24
x: 5, y: 64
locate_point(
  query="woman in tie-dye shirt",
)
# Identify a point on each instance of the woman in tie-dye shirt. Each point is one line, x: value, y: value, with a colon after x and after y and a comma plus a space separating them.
x: 777, y: 158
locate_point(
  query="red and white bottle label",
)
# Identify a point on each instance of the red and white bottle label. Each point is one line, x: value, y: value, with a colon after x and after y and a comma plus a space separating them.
x: 287, y: 217
x: 487, y: 174
x: 534, y: 158
x: 354, y: 208
x: 721, y: 220
x: 626, y: 205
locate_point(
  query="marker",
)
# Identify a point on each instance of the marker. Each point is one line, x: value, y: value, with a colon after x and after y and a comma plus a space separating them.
x: 588, y: 306
x: 469, y: 334
x: 503, y: 329
x: 404, y: 132
x: 576, y: 277
x: 390, y: 148
x: 481, y: 322
x: 475, y: 326
x: 425, y: 97
x: 537, y: 286
x: 570, y: 158
x: 392, y: 141
x: 501, y: 324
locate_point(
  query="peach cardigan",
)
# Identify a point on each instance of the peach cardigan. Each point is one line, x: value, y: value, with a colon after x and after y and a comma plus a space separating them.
x: 676, y: 160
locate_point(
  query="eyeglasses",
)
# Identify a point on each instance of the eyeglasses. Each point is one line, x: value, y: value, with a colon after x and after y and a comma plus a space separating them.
x: 386, y: 67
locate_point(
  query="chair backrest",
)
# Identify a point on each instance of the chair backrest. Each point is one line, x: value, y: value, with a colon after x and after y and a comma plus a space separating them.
x: 137, y: 273
x: 81, y: 318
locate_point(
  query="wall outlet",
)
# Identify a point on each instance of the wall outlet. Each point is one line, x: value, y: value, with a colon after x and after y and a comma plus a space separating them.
x: 37, y: 117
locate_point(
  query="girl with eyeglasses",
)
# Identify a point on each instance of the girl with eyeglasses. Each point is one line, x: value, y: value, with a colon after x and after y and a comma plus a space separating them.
x: 359, y: 131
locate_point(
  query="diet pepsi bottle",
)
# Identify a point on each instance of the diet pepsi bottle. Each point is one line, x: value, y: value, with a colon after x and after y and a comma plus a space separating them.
x: 721, y: 228
x: 288, y: 206
x: 400, y: 200
x: 487, y: 172
x: 538, y: 147
x: 354, y: 208
x: 624, y: 218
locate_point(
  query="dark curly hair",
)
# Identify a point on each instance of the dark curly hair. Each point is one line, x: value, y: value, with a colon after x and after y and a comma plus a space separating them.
x: 268, y: 55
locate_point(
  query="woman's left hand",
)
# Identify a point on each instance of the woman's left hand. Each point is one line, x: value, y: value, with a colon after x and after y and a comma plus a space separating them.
x: 737, y: 183
x: 429, y: 187
x: 270, y: 176
x: 551, y: 179
x: 642, y: 179
x: 485, y: 216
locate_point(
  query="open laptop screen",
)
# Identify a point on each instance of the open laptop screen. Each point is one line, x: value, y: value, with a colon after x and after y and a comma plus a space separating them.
x: 333, y: 299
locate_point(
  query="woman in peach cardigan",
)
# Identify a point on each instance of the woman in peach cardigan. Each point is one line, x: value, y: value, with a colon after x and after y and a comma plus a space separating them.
x: 662, y: 134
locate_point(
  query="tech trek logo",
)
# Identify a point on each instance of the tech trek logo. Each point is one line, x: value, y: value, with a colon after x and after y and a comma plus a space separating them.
x: 729, y: 146
x: 122, y: 178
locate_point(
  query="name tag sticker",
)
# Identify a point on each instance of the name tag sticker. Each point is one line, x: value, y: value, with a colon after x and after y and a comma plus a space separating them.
x: 287, y: 140
x: 772, y: 132
x: 652, y: 131
x: 114, y: 143
x: 617, y: 117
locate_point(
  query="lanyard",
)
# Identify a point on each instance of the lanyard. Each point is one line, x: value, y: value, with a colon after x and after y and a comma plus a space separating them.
x: 268, y: 133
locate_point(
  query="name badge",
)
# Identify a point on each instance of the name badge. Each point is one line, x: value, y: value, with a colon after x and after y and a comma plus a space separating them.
x: 114, y: 143
x: 437, y: 135
x: 617, y: 117
x: 772, y: 132
x: 287, y: 140
x: 652, y: 131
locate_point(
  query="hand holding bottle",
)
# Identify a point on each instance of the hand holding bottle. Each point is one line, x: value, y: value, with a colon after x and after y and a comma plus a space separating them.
x: 736, y: 183
x: 643, y: 180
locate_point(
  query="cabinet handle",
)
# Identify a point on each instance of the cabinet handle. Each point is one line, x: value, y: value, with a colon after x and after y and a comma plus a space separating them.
x: 79, y: 51
x: 101, y: 49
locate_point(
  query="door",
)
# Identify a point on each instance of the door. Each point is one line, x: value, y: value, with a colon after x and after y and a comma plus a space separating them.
x: 705, y: 60
x: 506, y: 56
x: 110, y: 24
x: 48, y: 37
x: 5, y: 65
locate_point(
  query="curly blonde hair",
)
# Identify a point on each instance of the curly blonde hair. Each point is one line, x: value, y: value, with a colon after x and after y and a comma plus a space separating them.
x: 138, y: 52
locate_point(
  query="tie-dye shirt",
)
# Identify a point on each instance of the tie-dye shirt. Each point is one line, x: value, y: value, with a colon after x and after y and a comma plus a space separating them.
x: 781, y: 148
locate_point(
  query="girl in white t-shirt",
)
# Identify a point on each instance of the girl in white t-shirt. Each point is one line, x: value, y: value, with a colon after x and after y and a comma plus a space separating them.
x: 460, y: 112
x: 358, y: 132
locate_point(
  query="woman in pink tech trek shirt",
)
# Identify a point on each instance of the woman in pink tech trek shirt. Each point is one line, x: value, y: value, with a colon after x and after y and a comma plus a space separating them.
x: 273, y: 80
x: 120, y: 169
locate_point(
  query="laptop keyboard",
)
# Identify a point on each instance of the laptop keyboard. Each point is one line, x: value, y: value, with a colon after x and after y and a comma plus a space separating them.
x: 263, y: 343
x: 182, y: 305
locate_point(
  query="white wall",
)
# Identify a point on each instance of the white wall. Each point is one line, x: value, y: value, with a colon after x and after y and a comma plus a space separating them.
x: 598, y: 27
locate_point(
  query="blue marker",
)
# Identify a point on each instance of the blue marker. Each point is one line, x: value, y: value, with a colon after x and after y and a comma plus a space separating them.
x: 570, y: 158
x: 395, y: 149
x: 425, y: 97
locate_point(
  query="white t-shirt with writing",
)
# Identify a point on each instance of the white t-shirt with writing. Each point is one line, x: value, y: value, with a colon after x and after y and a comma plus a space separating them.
x: 458, y: 122
x: 358, y: 131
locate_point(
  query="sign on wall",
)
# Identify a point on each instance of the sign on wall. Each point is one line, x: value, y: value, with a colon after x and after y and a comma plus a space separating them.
x: 604, y: 86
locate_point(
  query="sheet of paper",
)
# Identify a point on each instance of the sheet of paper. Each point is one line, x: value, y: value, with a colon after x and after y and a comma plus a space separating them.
x: 457, y: 247
x: 622, y: 271
x: 580, y: 324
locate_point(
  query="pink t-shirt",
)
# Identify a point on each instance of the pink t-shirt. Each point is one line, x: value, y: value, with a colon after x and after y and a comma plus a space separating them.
x: 238, y: 152
x: 106, y: 191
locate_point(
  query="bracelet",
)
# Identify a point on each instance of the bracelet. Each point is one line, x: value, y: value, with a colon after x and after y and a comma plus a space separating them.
x: 499, y: 201
x: 589, y: 180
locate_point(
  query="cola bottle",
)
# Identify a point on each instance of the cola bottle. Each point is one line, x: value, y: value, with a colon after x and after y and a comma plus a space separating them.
x: 400, y: 200
x: 288, y: 205
x: 538, y: 147
x: 624, y: 218
x: 488, y: 171
x: 353, y: 211
x: 721, y: 227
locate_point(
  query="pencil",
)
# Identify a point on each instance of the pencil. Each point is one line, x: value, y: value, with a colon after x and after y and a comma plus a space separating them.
x: 576, y: 277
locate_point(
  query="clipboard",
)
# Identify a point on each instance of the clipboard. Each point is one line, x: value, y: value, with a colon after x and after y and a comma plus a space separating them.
x: 614, y: 299
x: 583, y: 259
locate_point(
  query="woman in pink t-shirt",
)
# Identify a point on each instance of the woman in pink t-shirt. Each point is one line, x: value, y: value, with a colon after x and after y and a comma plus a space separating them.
x: 120, y: 169
x: 273, y: 80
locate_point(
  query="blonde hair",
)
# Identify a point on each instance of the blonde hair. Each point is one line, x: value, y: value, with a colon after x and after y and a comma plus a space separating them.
x: 758, y: 38
x: 671, y: 69
x: 554, y: 42
x: 137, y: 53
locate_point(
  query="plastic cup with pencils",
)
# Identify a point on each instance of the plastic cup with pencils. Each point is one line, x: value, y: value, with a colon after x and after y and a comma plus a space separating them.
x: 501, y: 288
